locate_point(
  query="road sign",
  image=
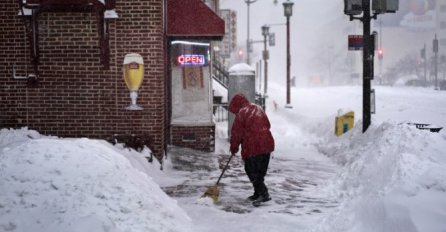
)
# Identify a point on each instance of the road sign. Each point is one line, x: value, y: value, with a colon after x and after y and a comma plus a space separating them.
x: 355, y: 42
x: 272, y: 39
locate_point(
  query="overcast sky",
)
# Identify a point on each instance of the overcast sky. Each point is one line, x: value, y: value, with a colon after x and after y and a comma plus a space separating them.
x: 309, y: 16
x: 320, y: 26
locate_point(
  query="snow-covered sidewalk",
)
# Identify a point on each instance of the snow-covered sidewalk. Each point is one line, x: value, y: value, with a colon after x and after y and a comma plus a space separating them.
x: 292, y: 183
x: 296, y: 175
x: 391, y: 178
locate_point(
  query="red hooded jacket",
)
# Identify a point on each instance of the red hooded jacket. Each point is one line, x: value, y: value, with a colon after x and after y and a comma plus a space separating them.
x: 250, y: 128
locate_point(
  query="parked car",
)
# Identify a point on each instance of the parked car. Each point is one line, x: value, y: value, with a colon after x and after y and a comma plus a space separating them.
x: 415, y: 82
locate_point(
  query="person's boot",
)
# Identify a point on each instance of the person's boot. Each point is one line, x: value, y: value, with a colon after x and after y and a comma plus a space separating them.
x: 253, y: 197
x: 262, y: 198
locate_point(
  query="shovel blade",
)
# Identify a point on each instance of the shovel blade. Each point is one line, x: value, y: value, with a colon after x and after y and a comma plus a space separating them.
x: 212, y: 192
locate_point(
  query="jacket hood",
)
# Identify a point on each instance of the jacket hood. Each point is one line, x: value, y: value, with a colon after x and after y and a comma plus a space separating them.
x: 238, y: 102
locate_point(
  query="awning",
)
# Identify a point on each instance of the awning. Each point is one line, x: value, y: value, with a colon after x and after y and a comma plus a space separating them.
x: 193, y: 18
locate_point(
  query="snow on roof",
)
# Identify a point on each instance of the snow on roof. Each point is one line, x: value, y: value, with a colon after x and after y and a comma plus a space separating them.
x: 241, y: 69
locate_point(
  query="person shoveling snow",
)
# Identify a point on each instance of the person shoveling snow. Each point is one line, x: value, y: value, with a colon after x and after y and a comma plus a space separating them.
x: 251, y: 130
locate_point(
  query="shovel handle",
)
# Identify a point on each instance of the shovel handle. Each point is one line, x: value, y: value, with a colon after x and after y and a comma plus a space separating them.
x: 224, y: 169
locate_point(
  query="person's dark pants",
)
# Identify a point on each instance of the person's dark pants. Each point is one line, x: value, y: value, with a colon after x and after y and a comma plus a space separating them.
x: 256, y: 167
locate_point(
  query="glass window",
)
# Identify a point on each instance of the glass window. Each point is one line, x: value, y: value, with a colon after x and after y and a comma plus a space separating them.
x: 189, y: 53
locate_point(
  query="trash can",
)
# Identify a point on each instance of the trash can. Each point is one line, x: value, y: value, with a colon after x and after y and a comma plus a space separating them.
x: 241, y: 80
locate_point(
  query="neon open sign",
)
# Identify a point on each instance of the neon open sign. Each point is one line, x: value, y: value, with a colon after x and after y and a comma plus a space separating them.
x: 191, y: 60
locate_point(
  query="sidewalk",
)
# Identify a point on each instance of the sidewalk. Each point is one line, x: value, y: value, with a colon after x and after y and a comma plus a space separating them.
x: 292, y: 183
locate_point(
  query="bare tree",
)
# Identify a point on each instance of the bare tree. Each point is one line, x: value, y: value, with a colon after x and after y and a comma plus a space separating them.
x: 410, y: 64
x: 332, y: 60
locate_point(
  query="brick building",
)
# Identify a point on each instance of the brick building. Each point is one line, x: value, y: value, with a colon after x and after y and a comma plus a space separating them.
x: 61, y: 67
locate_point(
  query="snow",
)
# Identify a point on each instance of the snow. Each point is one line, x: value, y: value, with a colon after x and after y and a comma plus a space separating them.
x: 220, y: 90
x: 241, y: 69
x: 51, y: 184
x: 111, y: 14
x: 391, y: 178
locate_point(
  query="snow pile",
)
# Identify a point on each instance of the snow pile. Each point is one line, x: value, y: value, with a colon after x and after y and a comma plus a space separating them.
x: 241, y: 69
x: 220, y: 91
x: 76, y: 185
x: 393, y: 179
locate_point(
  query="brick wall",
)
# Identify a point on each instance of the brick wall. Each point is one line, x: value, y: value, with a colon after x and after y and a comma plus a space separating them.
x: 197, y: 137
x: 74, y: 96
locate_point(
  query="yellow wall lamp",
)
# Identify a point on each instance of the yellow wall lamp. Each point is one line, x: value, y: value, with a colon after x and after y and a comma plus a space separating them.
x: 133, y: 75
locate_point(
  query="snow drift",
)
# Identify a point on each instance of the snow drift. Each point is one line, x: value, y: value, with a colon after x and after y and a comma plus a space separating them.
x: 77, y: 185
x: 393, y: 179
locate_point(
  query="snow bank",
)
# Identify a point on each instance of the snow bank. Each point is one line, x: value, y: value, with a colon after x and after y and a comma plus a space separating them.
x: 393, y: 179
x: 76, y: 185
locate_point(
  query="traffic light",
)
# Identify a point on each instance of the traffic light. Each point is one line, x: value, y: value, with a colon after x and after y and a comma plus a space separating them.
x: 435, y: 44
x: 240, y: 53
x: 380, y: 53
x: 423, y: 53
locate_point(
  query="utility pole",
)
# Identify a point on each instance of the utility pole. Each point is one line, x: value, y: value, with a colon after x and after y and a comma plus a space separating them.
x: 265, y: 33
x: 380, y: 52
x: 435, y: 48
x: 354, y: 8
x: 248, y: 3
x: 367, y: 64
x: 288, y: 12
x: 425, y: 65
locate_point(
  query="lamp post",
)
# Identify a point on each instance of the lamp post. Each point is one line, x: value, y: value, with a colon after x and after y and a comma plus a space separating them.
x: 435, y: 49
x: 265, y: 33
x: 288, y: 11
x: 248, y: 3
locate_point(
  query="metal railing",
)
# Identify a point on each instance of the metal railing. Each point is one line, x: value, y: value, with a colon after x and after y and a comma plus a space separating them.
x: 260, y: 100
x: 219, y: 73
x: 221, y: 112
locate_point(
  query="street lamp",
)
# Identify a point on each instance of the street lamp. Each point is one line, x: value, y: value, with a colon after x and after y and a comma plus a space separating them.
x: 288, y: 11
x: 435, y: 49
x: 265, y: 33
x: 248, y: 2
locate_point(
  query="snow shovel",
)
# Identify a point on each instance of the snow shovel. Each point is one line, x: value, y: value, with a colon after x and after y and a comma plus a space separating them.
x: 214, y: 192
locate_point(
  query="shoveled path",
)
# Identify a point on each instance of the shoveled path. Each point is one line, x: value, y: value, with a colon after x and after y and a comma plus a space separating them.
x: 292, y: 183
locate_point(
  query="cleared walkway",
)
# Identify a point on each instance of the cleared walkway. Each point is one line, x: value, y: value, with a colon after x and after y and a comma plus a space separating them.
x: 292, y: 183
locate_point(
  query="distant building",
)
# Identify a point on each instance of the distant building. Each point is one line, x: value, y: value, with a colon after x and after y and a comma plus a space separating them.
x: 441, y: 25
x: 229, y: 42
x: 405, y: 32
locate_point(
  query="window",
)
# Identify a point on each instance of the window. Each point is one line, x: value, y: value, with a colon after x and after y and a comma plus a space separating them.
x: 190, y: 53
